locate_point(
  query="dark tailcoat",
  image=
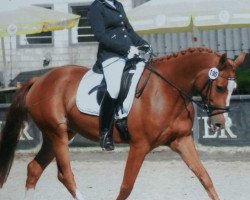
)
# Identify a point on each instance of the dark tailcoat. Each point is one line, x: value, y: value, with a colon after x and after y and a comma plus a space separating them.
x: 112, y: 30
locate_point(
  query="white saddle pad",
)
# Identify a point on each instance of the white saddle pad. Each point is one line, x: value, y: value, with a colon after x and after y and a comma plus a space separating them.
x: 87, y: 103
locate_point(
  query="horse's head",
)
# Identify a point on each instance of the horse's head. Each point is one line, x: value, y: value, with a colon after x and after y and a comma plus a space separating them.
x: 218, y: 89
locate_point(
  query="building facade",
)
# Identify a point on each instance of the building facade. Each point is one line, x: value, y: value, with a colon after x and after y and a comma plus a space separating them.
x: 78, y: 46
x: 74, y: 46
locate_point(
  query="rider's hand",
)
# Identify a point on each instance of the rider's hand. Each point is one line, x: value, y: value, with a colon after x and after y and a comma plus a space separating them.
x: 133, y: 51
x: 146, y: 48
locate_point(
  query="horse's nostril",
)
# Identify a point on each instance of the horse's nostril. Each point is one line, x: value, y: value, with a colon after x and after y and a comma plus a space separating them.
x: 218, y: 125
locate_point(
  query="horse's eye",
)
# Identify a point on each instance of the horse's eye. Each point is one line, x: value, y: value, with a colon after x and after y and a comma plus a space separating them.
x: 220, y: 89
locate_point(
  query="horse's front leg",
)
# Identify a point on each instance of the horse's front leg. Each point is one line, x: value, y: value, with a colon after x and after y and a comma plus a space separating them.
x: 186, y: 148
x: 135, y: 159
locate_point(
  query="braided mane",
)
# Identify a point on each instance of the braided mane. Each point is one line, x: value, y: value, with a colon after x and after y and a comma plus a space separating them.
x: 184, y: 52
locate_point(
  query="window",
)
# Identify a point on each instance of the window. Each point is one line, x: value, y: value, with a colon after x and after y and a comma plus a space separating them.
x: 44, y: 38
x: 83, y: 32
x: 139, y: 2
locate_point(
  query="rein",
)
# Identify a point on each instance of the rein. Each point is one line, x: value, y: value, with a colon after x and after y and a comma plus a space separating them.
x: 205, y: 100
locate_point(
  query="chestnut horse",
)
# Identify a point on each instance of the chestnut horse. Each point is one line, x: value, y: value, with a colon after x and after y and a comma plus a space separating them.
x: 162, y: 115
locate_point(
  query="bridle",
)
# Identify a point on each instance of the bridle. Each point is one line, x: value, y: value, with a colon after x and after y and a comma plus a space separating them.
x: 205, y: 101
x: 205, y: 104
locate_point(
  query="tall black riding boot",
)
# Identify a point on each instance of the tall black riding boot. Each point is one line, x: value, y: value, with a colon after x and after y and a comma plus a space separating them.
x: 107, y: 110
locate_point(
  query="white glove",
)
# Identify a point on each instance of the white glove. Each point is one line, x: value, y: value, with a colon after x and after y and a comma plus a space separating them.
x: 133, y: 51
x: 146, y: 47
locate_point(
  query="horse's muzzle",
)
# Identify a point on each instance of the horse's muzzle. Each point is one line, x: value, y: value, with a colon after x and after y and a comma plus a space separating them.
x: 216, y: 122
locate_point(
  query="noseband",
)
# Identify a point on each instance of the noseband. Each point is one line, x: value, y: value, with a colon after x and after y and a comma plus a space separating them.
x: 205, y: 102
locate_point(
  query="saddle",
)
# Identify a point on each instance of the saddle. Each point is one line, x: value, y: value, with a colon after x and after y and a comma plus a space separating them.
x: 128, y: 72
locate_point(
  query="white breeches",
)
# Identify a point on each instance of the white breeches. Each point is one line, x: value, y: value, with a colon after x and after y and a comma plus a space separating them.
x: 113, y: 69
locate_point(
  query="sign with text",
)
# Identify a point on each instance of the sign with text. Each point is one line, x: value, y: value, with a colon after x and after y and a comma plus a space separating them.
x: 30, y: 136
x: 237, y: 131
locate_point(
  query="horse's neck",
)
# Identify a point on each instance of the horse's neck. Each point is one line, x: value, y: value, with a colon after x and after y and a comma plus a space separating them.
x: 184, y: 70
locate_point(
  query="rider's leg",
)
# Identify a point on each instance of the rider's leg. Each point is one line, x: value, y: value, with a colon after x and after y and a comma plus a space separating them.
x: 113, y: 69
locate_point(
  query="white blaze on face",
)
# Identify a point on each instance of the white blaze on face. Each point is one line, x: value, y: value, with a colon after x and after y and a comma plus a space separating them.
x: 230, y: 88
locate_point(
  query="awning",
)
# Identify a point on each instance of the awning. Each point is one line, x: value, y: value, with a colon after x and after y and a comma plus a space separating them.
x: 158, y: 16
x: 32, y: 19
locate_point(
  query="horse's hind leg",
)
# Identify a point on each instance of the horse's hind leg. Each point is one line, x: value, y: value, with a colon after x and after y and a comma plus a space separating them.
x: 65, y: 174
x: 36, y: 167
x: 186, y: 148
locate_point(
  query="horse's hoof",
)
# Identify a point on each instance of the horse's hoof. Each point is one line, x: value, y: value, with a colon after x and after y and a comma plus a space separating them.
x: 79, y: 195
x: 109, y: 148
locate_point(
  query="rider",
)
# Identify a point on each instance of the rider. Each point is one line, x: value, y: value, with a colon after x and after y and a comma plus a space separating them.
x: 117, y: 41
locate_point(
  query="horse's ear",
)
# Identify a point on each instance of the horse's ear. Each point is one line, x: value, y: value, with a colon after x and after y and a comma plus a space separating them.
x: 222, y: 61
x: 240, y: 59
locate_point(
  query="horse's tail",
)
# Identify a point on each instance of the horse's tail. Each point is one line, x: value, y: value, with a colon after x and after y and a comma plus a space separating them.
x: 10, y: 133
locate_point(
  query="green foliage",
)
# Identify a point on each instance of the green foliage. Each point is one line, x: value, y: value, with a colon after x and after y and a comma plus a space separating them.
x: 243, y: 81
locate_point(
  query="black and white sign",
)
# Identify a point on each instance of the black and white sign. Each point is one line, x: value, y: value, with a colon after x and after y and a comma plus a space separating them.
x: 30, y: 136
x: 238, y: 131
